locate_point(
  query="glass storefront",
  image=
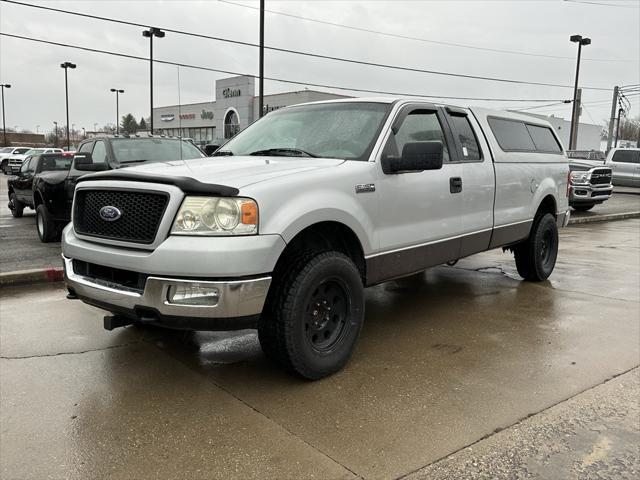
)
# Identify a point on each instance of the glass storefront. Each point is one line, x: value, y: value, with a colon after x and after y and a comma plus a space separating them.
x: 200, y: 135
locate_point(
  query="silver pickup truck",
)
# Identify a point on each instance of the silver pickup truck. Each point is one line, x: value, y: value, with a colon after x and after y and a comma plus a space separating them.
x: 284, y: 228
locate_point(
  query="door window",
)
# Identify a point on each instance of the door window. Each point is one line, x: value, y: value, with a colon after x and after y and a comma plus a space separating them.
x: 418, y: 126
x: 86, y: 147
x: 469, y: 151
x: 99, y: 152
x: 543, y: 139
x: 626, y: 156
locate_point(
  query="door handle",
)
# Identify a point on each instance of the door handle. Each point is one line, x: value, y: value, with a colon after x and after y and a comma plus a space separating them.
x: 455, y: 184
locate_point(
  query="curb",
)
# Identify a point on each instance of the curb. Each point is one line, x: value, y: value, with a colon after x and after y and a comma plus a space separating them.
x: 40, y: 275
x: 604, y: 218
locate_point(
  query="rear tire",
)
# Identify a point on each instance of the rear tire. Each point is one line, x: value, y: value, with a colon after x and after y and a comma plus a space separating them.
x: 16, y: 206
x: 313, y: 315
x: 48, y: 230
x: 583, y: 208
x: 536, y: 256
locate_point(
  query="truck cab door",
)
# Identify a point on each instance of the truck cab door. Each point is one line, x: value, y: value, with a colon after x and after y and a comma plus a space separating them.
x: 624, y: 167
x: 25, y: 179
x: 420, y: 212
x: 478, y: 180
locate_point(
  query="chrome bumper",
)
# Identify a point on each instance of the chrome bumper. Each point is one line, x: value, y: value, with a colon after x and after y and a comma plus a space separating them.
x: 236, y: 298
x: 590, y: 193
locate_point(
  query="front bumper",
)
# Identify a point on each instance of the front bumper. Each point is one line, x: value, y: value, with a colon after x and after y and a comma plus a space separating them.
x: 238, y: 304
x: 589, y: 193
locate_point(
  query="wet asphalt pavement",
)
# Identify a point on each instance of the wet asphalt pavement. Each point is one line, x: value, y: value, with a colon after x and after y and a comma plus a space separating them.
x: 463, y: 372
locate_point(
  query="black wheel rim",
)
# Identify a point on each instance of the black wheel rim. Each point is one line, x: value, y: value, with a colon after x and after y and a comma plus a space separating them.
x: 547, y: 248
x: 326, y: 316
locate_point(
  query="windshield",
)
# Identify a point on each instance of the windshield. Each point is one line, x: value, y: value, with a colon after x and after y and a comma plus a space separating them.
x: 331, y: 130
x: 52, y: 162
x: 35, y: 151
x: 153, y: 150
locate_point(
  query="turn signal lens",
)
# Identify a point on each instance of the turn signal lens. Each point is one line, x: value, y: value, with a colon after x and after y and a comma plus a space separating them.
x: 249, y: 213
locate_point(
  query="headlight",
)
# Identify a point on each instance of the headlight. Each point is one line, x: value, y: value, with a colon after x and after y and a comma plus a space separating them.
x: 579, y: 177
x: 216, y: 216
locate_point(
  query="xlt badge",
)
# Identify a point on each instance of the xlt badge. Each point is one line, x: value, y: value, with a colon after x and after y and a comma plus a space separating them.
x: 365, y: 187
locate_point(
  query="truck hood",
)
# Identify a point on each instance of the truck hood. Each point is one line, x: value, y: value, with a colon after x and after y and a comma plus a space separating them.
x: 53, y: 177
x: 234, y: 171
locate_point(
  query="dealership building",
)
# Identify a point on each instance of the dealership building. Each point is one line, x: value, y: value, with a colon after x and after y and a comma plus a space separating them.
x: 235, y: 107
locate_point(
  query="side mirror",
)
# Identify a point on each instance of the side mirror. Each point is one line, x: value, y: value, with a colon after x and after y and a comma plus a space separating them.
x: 210, y: 149
x: 416, y: 157
x: 84, y: 162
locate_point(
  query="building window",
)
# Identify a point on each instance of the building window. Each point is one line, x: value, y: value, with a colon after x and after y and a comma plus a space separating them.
x: 231, y: 124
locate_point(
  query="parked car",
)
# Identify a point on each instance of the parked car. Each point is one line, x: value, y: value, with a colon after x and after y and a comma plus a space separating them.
x: 594, y: 155
x: 20, y: 187
x: 15, y: 161
x: 6, y: 152
x: 305, y: 208
x: 53, y: 193
x: 590, y: 184
x: 625, y: 163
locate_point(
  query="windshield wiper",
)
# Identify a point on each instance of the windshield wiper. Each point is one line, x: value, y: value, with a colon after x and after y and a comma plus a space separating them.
x: 223, y: 153
x: 283, y: 152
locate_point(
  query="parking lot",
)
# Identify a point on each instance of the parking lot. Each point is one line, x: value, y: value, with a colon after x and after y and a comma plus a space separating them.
x: 459, y: 372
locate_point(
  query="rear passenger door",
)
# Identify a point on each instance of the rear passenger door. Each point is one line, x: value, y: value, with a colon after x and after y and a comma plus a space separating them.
x: 478, y: 180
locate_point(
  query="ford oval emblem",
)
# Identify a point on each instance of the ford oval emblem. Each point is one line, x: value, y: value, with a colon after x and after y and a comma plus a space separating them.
x: 110, y: 214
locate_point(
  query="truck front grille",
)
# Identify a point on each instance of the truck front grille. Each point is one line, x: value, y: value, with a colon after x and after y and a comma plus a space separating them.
x: 601, y: 176
x: 139, y: 220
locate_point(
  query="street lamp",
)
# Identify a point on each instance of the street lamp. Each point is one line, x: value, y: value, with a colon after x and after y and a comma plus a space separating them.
x: 152, y: 32
x: 118, y: 92
x: 55, y: 126
x: 73, y: 132
x: 4, y: 128
x: 573, y: 134
x: 84, y: 133
x: 66, y: 66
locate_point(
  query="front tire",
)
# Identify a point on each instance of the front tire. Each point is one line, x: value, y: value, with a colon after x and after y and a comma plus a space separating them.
x: 16, y: 206
x: 314, y: 315
x: 48, y: 231
x: 536, y: 256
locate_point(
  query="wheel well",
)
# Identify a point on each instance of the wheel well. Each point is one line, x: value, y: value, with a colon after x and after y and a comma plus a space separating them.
x: 321, y: 237
x: 548, y: 205
x: 37, y: 199
x: 10, y: 191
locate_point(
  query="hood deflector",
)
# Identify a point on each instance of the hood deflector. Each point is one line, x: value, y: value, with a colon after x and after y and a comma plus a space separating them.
x: 186, y: 184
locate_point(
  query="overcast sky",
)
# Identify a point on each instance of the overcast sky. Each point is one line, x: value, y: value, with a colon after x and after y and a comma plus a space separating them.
x: 538, y: 27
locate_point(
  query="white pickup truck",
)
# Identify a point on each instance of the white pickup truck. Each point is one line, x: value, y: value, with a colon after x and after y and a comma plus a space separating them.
x: 295, y: 215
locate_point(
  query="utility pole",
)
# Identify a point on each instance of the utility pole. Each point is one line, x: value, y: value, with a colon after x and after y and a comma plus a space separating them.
x: 574, y: 124
x: 612, y: 118
x: 152, y: 32
x: 577, y: 105
x: 4, y: 128
x: 620, y: 110
x: 55, y: 124
x: 261, y: 87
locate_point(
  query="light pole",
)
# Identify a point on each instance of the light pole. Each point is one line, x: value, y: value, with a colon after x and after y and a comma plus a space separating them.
x: 73, y: 132
x: 84, y: 133
x: 4, y: 128
x: 261, y: 62
x: 152, y: 32
x: 66, y: 66
x: 55, y: 127
x: 118, y: 92
x: 573, y: 134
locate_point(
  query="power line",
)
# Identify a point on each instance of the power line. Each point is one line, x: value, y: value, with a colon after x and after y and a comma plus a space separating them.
x: 420, y: 39
x: 601, y: 4
x: 543, y: 106
x: 229, y: 72
x: 314, y: 55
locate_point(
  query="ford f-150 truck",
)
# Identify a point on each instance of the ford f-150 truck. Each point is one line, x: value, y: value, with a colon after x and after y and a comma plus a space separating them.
x: 284, y: 227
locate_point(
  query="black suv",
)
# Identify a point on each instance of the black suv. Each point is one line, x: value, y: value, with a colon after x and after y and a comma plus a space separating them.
x: 53, y: 195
